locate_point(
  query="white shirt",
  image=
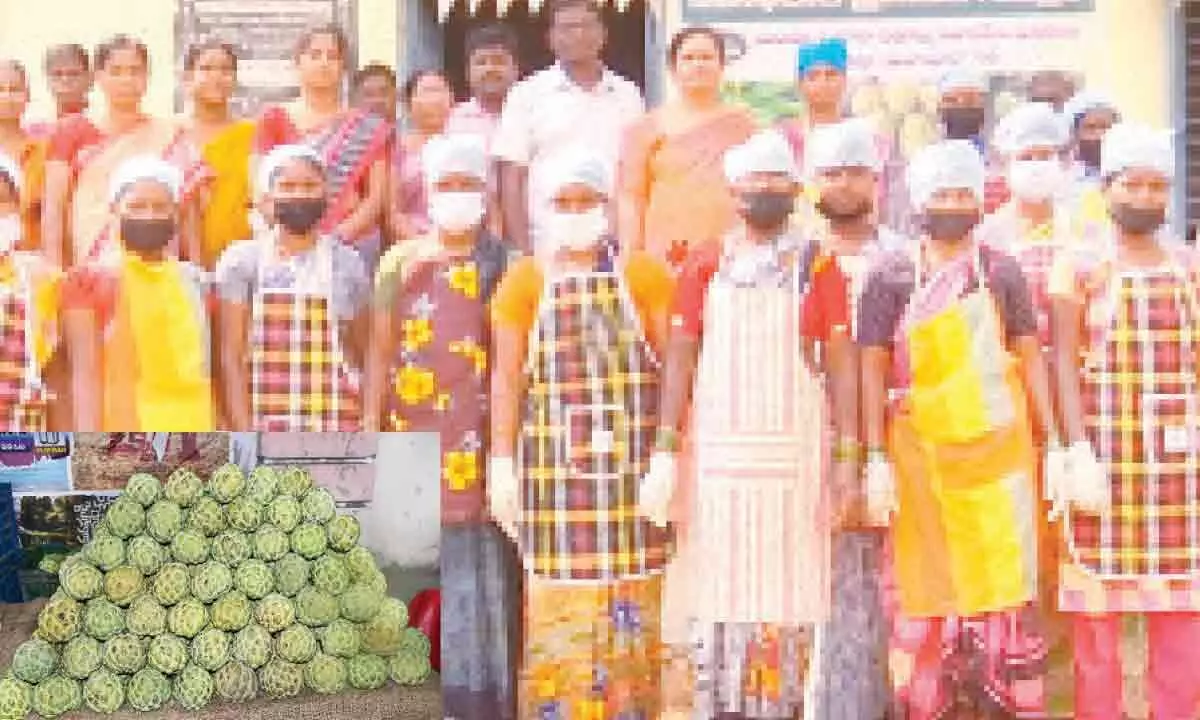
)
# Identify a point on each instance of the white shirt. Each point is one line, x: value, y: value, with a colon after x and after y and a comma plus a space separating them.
x: 548, y: 112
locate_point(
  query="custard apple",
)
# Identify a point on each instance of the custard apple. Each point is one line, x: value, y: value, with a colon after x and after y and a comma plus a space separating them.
x: 245, y: 515
x: 382, y: 634
x: 172, y: 584
x: 56, y: 695
x: 206, y: 517
x: 295, y: 481
x: 281, y: 679
x: 194, y: 688
x: 125, y: 518
x: 104, y: 692
x: 377, y: 581
x: 360, y: 603
x: 125, y: 654
x: 255, y: 578
x: 81, y: 657
x: 308, y: 540
x: 284, y: 513
x: 367, y: 672
x: 409, y: 668
x: 270, y: 543
x: 253, y: 646
x: 145, y: 554
x: 146, y: 617
x: 360, y: 562
x: 340, y: 638
x: 210, y: 649
x: 16, y: 699
x: 34, y: 661
x: 122, y: 584
x: 291, y: 574
x: 168, y: 654
x: 236, y: 683
x: 263, y: 485
x: 275, y: 612
x: 143, y: 488
x: 325, y: 674
x: 183, y: 487
x: 231, y: 611
x: 80, y: 580
x: 102, y: 619
x: 315, y: 608
x: 190, y: 547
x: 210, y: 581
x: 148, y: 690
x: 414, y: 641
x: 164, y: 520
x: 296, y: 644
x: 227, y: 483
x: 231, y: 548
x: 343, y: 531
x: 329, y: 574
x: 60, y: 619
x: 319, y: 506
x: 187, y: 618
x: 105, y: 552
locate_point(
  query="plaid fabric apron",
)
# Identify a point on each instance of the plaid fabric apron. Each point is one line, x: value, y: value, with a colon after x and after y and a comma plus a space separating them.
x: 586, y: 434
x: 23, y: 397
x: 300, y: 379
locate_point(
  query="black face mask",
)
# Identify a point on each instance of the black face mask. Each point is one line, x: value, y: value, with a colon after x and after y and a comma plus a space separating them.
x: 962, y: 123
x: 147, y: 234
x: 950, y: 225
x: 1088, y: 152
x: 766, y: 210
x: 1136, y: 220
x: 299, y: 215
x: 847, y: 211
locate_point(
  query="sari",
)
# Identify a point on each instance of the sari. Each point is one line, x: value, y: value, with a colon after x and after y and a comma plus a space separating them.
x: 226, y: 212
x: 408, y: 194
x: 350, y: 145
x: 679, y: 178
x: 32, y: 159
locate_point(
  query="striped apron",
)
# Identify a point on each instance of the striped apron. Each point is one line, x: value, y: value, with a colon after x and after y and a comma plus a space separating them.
x: 23, y: 396
x: 301, y: 380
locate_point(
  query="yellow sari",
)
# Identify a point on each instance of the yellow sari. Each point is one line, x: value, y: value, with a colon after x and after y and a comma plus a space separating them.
x: 226, y: 217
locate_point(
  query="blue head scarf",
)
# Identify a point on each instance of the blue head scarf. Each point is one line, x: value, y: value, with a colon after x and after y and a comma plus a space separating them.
x: 830, y: 51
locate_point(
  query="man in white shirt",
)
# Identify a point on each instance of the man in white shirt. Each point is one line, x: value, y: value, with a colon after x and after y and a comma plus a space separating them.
x: 575, y: 102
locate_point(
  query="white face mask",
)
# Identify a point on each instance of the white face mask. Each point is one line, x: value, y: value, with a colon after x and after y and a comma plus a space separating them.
x: 576, y: 231
x: 456, y: 212
x: 1035, y: 180
x: 10, y: 232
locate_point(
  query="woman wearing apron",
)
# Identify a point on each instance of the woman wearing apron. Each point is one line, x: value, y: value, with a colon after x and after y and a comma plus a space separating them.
x: 951, y: 454
x: 572, y: 432
x: 293, y: 310
x: 758, y: 538
x: 1128, y: 333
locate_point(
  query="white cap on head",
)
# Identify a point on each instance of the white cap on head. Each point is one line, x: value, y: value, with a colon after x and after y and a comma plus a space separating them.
x: 145, y: 167
x: 455, y: 154
x: 1030, y: 125
x: 10, y: 169
x: 962, y: 78
x: 1129, y: 145
x: 577, y: 166
x: 1086, y: 101
x: 278, y: 157
x: 765, y: 152
x: 850, y: 143
x: 947, y: 165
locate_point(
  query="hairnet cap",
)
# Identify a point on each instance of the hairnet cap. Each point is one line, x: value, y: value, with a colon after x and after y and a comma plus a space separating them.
x: 830, y: 52
x: 456, y: 154
x: 1087, y: 101
x: 146, y: 167
x: 578, y: 166
x: 280, y: 156
x: 765, y: 152
x: 1031, y: 125
x: 1128, y: 145
x: 850, y: 143
x: 962, y: 78
x: 11, y: 170
x: 946, y: 165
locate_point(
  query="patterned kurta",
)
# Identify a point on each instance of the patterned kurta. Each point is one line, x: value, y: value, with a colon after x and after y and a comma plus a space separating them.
x: 23, y: 396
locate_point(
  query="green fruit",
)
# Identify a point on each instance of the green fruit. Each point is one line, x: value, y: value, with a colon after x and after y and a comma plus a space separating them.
x: 57, y: 695
x: 382, y: 634
x: 104, y: 692
x: 81, y: 657
x: 340, y: 639
x: 210, y: 649
x: 263, y: 485
x: 227, y: 483
x: 172, y: 584
x: 377, y: 581
x: 245, y: 515
x: 284, y: 513
x: 291, y: 574
x: 255, y: 578
x: 407, y: 668
x: 253, y: 645
x: 80, y: 580
x: 275, y: 612
x: 295, y: 481
x: 60, y: 619
x: 145, y: 554
x: 367, y: 672
x: 190, y: 547
x: 168, y: 654
x: 315, y: 608
x: 146, y: 617
x: 329, y: 575
x: 183, y: 487
x: 125, y: 654
x: 206, y: 517
x: 210, y: 581
x: 102, y: 619
x: 125, y: 518
x: 232, y: 548
x: 281, y: 679
x: 148, y: 690
x: 325, y: 674
x: 344, y: 532
x: 360, y: 603
x: 319, y: 506
x: 194, y: 688
x: 296, y: 644
x: 308, y: 541
x: 413, y: 641
x: 34, y: 661
x: 164, y: 520
x: 361, y: 563
x: 105, y: 552
x: 236, y: 683
x: 187, y: 618
x: 122, y: 584
x: 143, y: 488
x: 270, y: 543
x: 16, y: 699
x: 231, y: 611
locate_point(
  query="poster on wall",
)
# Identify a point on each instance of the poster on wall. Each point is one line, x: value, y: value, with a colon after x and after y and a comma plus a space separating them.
x: 103, y: 462
x: 60, y: 520
x: 36, y: 462
x: 264, y: 33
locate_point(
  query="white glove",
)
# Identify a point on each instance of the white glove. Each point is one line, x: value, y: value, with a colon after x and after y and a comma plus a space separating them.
x: 1089, y: 486
x: 504, y: 494
x: 1057, y: 480
x: 880, y: 487
x: 657, y: 487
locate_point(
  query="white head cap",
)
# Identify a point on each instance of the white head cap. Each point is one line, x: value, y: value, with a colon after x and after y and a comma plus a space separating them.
x: 765, y: 152
x: 1084, y: 102
x: 145, y: 167
x: 455, y: 154
x: 850, y: 143
x: 1128, y: 145
x: 1031, y: 125
x: 962, y: 78
x: 947, y: 165
x: 577, y: 166
x: 280, y: 156
x: 10, y: 169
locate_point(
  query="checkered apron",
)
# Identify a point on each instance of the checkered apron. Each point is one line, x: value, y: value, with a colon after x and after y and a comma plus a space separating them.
x: 1141, y: 406
x: 586, y: 434
x: 23, y: 397
x: 300, y: 379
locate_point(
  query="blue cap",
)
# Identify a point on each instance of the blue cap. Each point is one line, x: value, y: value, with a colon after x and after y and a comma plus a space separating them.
x: 830, y: 51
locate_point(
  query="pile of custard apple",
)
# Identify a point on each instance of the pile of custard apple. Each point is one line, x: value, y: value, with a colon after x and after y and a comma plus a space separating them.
x: 192, y: 593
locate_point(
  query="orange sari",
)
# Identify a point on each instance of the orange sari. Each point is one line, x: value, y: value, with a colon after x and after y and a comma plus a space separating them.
x: 32, y: 159
x: 679, y: 179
